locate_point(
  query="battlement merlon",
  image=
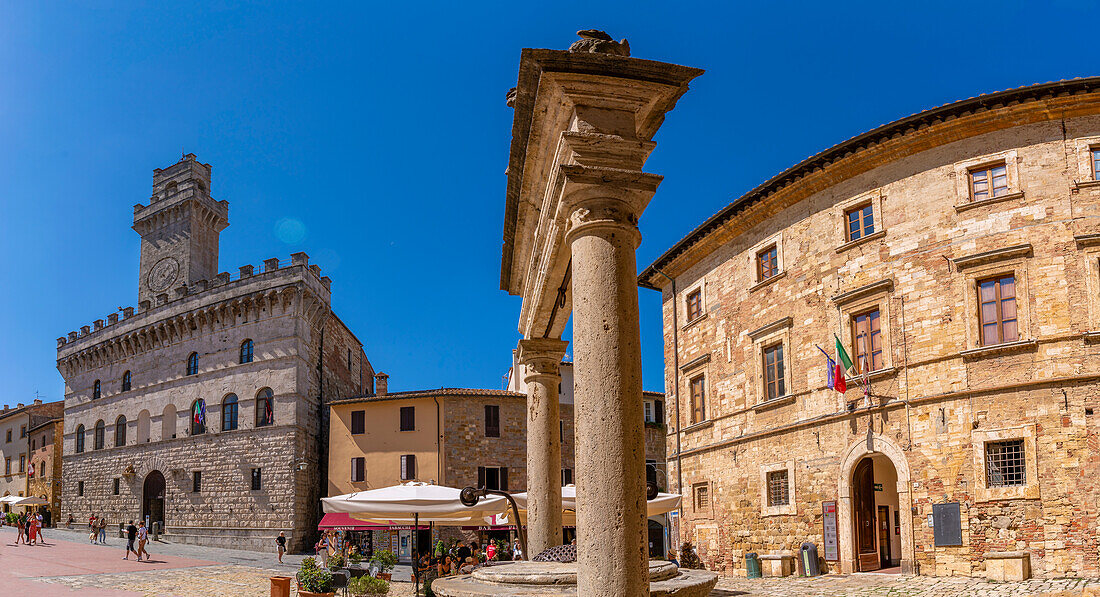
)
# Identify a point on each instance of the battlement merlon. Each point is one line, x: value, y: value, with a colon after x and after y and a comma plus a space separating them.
x: 275, y: 277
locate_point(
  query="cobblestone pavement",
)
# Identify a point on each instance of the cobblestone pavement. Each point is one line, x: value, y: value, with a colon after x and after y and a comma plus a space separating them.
x: 893, y: 585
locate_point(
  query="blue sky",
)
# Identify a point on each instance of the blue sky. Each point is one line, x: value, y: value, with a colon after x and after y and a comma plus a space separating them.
x: 374, y: 137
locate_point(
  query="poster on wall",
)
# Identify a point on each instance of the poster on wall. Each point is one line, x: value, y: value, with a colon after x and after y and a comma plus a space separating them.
x: 828, y: 511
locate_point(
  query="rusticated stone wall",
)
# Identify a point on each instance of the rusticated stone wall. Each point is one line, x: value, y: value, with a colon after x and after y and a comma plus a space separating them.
x: 940, y: 395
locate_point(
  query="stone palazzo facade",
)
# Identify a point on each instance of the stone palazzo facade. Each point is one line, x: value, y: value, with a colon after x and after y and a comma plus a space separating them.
x: 206, y: 408
x: 956, y: 254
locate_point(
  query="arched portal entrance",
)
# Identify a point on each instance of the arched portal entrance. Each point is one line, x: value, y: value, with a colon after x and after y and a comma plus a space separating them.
x: 152, y: 498
x: 874, y: 514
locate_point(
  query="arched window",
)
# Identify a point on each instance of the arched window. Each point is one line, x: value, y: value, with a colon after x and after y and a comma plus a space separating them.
x: 246, y: 351
x: 229, y: 413
x: 120, y: 431
x: 96, y: 393
x: 126, y: 382
x: 143, y: 431
x: 198, y: 417
x: 193, y: 363
x: 97, y: 440
x: 168, y: 422
x: 265, y: 408
x: 80, y: 439
x: 170, y: 189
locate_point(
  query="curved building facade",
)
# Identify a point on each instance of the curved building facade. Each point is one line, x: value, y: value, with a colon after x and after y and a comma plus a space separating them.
x: 955, y: 254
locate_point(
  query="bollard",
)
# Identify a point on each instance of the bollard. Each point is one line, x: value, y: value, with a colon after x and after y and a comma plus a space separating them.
x: 156, y: 531
x: 809, y: 559
x: 752, y: 565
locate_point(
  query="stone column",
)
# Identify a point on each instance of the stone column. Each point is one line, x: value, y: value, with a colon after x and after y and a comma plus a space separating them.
x: 540, y: 357
x: 610, y: 445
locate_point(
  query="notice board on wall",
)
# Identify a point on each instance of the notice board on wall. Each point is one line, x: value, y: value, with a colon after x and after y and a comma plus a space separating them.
x: 947, y: 524
x: 828, y: 521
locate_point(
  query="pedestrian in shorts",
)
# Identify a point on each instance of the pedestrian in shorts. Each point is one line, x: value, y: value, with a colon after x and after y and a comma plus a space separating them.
x: 131, y: 535
x: 143, y: 538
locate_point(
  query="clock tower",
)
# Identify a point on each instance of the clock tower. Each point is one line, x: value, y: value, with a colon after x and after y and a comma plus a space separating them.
x: 179, y: 229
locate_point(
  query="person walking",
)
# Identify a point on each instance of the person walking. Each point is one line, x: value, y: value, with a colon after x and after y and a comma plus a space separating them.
x: 143, y: 538
x: 32, y: 530
x: 131, y: 536
x: 92, y: 528
x: 21, y: 522
x: 103, y: 531
x: 322, y: 551
x: 281, y: 542
x: 517, y: 552
x: 41, y: 525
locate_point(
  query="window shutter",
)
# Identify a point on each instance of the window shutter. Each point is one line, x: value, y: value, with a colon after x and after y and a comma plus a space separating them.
x: 412, y: 466
x: 480, y: 477
x: 659, y: 411
x: 404, y: 468
x: 504, y: 478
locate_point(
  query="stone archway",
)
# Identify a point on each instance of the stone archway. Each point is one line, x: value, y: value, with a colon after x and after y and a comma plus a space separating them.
x: 873, y: 445
x: 152, y: 498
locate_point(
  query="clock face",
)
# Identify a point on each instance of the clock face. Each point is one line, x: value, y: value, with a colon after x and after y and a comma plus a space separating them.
x: 163, y: 274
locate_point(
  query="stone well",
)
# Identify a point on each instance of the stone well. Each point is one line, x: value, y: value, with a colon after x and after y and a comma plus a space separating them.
x: 528, y: 579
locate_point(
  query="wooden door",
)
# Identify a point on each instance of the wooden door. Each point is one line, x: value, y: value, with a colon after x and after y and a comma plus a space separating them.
x: 884, y: 535
x: 863, y: 502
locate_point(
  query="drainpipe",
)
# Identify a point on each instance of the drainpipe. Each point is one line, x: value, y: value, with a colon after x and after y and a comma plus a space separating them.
x: 438, y: 445
x: 676, y: 394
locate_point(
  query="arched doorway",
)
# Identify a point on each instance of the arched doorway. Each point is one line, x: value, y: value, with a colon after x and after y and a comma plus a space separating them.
x: 874, y: 514
x: 152, y: 498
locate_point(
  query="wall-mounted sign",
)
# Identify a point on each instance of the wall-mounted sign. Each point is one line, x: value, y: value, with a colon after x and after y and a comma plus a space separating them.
x: 828, y: 518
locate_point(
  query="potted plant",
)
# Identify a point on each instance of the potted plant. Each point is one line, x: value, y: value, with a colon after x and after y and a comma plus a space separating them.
x: 367, y: 585
x: 386, y: 560
x: 313, y: 580
x: 336, y: 561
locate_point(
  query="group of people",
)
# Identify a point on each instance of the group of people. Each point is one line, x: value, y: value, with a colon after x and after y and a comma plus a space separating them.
x: 30, y: 529
x: 468, y: 557
x: 98, y: 527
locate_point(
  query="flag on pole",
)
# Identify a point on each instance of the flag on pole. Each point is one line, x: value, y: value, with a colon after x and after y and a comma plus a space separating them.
x: 842, y: 355
x: 834, y: 375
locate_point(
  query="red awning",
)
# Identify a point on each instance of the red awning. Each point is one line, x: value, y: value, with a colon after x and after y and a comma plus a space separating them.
x: 337, y: 521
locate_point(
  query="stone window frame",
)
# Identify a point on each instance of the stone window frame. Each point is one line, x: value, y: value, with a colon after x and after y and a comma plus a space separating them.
x: 962, y: 169
x: 791, y: 507
x: 1089, y: 251
x: 875, y: 295
x: 989, y: 264
x: 689, y: 372
x: 776, y: 332
x: 1086, y: 175
x: 781, y: 263
x: 982, y: 491
x: 708, y: 510
x: 699, y: 285
x: 840, y: 216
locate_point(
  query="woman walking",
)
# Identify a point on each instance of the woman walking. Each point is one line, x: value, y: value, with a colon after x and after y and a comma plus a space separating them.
x: 281, y: 541
x: 143, y: 538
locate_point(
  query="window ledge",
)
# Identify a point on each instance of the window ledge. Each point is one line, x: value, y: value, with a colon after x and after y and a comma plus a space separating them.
x: 788, y: 510
x: 693, y: 322
x: 859, y: 241
x: 770, y: 280
x: 774, y: 402
x: 1006, y: 347
x: 990, y: 201
x: 1091, y: 336
x: 876, y: 374
x: 697, y: 426
x: 1084, y: 184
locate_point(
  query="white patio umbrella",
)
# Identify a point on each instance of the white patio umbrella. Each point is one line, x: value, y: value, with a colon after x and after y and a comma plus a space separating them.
x: 417, y: 501
x: 664, y: 502
x: 422, y: 502
x: 31, y: 501
x: 10, y: 499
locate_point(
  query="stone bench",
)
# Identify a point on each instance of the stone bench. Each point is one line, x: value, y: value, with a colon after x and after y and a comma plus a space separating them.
x: 777, y: 564
x: 1008, y: 565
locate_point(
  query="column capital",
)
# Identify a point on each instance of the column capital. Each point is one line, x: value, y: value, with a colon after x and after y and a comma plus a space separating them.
x: 541, y: 356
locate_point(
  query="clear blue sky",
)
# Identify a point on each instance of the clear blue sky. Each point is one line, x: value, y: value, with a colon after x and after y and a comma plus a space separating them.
x: 374, y: 136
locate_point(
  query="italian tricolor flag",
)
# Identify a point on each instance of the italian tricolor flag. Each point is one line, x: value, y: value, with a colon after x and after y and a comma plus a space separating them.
x: 843, y: 363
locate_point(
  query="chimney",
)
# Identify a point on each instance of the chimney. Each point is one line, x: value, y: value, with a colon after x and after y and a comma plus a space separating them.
x: 19, y: 405
x: 380, y: 384
x: 37, y: 401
